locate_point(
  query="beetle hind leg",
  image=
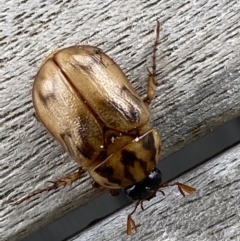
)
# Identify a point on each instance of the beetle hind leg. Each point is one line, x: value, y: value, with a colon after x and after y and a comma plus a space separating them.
x: 62, y: 182
x: 152, y: 74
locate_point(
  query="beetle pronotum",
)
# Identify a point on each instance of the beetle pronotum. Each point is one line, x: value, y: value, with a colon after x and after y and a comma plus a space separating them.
x: 89, y: 106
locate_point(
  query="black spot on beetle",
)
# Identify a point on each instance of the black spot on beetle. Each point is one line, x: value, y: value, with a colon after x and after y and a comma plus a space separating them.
x: 108, y: 172
x: 105, y: 170
x: 128, y: 160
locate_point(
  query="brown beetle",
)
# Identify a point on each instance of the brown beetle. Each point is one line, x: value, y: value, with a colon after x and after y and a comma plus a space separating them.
x: 88, y: 105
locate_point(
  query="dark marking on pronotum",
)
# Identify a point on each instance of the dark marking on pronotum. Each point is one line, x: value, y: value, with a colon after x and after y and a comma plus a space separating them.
x: 149, y: 144
x: 128, y: 160
x: 108, y: 172
x: 148, y: 141
x: 105, y: 170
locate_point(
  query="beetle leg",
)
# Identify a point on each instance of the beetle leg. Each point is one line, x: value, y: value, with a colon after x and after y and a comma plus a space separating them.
x: 68, y: 179
x: 161, y: 191
x: 114, y: 192
x: 142, y: 206
x: 181, y: 187
x: 130, y: 222
x: 96, y: 185
x: 152, y: 74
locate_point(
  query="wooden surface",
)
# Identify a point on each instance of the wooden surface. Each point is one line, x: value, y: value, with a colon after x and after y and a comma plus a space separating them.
x: 199, y: 84
x: 211, y: 213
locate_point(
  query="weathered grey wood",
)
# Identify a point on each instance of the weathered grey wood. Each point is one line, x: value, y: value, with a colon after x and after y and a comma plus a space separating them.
x: 199, y: 83
x: 211, y: 213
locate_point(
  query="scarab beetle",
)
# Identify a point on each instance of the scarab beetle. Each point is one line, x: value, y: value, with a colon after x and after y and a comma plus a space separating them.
x: 88, y: 105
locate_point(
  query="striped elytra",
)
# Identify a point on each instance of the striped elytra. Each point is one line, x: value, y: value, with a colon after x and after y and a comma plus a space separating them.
x: 88, y: 105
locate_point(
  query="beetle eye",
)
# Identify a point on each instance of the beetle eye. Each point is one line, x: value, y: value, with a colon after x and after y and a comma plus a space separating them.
x: 147, y: 188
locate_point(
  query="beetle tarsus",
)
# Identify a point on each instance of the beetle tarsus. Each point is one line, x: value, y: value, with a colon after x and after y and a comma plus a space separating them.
x: 181, y: 187
x: 68, y: 179
x: 130, y: 222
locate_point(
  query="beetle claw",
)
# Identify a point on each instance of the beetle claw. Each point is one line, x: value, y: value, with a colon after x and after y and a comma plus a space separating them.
x: 130, y: 225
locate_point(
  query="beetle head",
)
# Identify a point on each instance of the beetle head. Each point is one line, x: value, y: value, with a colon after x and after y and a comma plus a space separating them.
x: 147, y: 188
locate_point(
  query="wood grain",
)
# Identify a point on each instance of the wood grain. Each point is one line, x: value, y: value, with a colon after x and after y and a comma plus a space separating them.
x: 199, y: 84
x: 211, y: 213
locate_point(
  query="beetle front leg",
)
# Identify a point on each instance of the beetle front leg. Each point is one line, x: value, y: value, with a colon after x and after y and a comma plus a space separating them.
x: 62, y: 182
x: 181, y: 187
x: 152, y: 75
x: 151, y: 89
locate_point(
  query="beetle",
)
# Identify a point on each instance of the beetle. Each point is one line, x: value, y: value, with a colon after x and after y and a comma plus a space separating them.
x: 88, y: 105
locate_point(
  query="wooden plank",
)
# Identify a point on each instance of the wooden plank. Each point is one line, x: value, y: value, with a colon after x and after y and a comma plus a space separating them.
x: 212, y: 213
x: 198, y: 86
